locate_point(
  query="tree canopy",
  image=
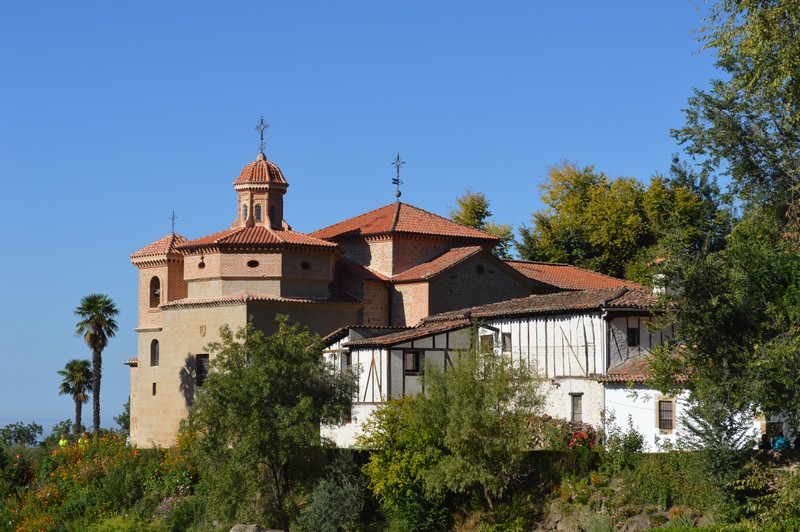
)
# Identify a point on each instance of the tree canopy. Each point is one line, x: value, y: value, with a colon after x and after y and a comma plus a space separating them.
x: 465, y: 436
x: 97, y: 324
x: 739, y: 307
x: 77, y: 384
x: 258, y: 416
x: 619, y: 226
x: 473, y: 211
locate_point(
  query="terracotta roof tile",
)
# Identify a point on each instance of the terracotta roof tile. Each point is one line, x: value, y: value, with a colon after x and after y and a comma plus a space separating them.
x: 132, y: 362
x: 160, y: 247
x: 261, y: 172
x: 435, y: 266
x: 567, y: 277
x: 557, y: 302
x: 420, y: 331
x: 343, y: 332
x: 337, y: 297
x: 400, y: 217
x: 358, y: 270
x: 554, y: 303
x: 634, y: 370
x: 255, y: 236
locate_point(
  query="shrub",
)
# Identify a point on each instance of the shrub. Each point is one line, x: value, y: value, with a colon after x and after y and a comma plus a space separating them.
x: 337, y: 500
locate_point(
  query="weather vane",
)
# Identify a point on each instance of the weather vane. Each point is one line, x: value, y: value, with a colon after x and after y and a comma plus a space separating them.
x: 397, y: 163
x: 173, y: 218
x: 261, y: 127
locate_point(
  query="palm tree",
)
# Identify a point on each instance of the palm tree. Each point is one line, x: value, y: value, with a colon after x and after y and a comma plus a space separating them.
x: 97, y: 325
x: 77, y: 383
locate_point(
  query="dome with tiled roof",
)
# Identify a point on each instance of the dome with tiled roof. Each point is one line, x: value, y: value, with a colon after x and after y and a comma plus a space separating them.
x: 261, y: 172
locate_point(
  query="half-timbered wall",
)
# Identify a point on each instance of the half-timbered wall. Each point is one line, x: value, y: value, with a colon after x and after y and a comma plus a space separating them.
x: 568, y: 352
x: 619, y: 349
x: 557, y: 346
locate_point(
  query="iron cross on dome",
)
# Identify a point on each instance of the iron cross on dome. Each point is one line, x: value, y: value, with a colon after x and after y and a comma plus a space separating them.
x: 261, y: 127
x: 397, y: 163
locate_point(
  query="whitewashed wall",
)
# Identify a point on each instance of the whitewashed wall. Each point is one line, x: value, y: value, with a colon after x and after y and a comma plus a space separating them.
x: 640, y: 403
x: 568, y: 351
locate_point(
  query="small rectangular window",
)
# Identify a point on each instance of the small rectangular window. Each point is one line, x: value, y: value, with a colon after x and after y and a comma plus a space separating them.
x: 487, y: 342
x: 412, y: 362
x: 154, y: 388
x: 201, y: 369
x: 346, y: 361
x: 576, y: 407
x: 506, y: 342
x: 666, y: 415
x: 633, y: 336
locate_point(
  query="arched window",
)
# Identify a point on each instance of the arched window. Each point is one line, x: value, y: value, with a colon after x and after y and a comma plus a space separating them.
x: 154, y: 353
x: 244, y: 212
x: 258, y: 212
x: 155, y: 292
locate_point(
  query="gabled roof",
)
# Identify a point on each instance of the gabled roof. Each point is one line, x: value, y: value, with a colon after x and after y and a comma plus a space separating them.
x: 160, y: 247
x: 364, y: 330
x: 400, y: 217
x: 359, y: 270
x: 420, y: 331
x: 429, y: 269
x: 556, y: 303
x: 537, y: 304
x: 566, y: 277
x: 256, y: 236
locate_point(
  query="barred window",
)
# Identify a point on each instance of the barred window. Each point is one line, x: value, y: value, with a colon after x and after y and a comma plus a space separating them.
x: 666, y: 415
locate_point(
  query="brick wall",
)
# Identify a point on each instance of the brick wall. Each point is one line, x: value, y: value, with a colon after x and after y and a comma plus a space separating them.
x: 409, y: 303
x: 476, y: 281
x: 376, y: 303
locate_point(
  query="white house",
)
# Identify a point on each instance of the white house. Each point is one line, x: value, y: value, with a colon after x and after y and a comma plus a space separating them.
x: 586, y: 345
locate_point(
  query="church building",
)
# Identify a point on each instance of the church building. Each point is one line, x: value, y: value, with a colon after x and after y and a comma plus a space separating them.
x: 387, y: 268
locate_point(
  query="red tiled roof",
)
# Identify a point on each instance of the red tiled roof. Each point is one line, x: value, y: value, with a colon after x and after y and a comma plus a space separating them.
x: 420, y: 331
x: 160, y: 247
x: 343, y: 332
x: 633, y: 370
x: 567, y: 277
x: 556, y: 302
x: 359, y: 270
x: 400, y: 217
x: 255, y: 236
x: 339, y: 298
x: 261, y: 172
x: 433, y: 267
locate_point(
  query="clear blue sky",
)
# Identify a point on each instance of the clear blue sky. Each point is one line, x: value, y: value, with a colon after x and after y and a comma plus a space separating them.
x: 114, y: 114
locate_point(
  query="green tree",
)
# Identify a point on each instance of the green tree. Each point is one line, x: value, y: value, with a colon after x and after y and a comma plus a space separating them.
x: 19, y: 434
x: 465, y: 436
x: 96, y: 326
x: 258, y: 416
x: 619, y: 226
x: 740, y: 306
x: 747, y: 125
x: 124, y: 419
x: 77, y: 383
x: 472, y: 210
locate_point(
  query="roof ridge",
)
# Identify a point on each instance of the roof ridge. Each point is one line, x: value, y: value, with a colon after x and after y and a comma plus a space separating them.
x: 396, y: 216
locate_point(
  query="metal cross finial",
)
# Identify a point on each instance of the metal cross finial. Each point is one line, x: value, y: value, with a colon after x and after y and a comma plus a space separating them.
x: 173, y: 218
x: 261, y: 127
x: 397, y: 163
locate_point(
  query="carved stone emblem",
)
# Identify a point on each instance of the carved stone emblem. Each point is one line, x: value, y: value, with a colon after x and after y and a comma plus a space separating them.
x: 202, y: 330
